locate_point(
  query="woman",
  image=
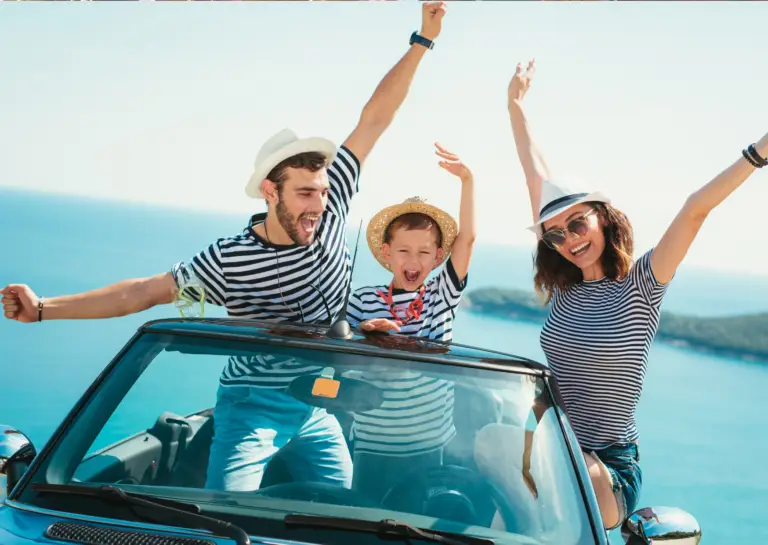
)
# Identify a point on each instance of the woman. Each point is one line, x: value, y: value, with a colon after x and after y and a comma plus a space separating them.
x: 605, y: 309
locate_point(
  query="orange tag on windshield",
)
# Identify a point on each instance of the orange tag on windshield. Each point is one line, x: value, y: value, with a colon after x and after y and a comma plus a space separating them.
x: 325, y: 387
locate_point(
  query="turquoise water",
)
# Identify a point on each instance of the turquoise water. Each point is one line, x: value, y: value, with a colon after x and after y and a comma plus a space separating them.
x: 701, y: 417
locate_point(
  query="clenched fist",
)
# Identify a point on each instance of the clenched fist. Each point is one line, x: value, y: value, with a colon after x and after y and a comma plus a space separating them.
x: 19, y: 303
x: 431, y: 19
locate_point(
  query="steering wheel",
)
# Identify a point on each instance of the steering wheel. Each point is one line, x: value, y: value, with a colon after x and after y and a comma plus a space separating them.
x: 452, y: 493
x: 317, y: 492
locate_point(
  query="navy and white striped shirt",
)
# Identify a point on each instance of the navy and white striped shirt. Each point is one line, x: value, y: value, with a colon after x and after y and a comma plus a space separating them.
x: 417, y: 414
x: 596, y: 339
x: 255, y: 279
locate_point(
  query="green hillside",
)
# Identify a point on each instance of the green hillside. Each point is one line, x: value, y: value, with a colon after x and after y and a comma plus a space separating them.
x: 743, y: 336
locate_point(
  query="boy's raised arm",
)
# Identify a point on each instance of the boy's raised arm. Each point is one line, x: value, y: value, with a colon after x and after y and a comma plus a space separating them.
x: 461, y: 252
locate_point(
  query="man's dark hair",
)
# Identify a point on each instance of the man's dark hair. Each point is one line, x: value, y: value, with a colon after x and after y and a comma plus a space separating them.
x: 311, y: 160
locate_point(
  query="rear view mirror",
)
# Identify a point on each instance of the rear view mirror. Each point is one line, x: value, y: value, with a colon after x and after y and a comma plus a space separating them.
x: 661, y: 525
x: 339, y: 394
x: 16, y: 453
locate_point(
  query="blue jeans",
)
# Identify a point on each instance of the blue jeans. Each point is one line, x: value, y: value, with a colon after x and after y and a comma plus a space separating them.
x: 623, y: 463
x: 251, y: 424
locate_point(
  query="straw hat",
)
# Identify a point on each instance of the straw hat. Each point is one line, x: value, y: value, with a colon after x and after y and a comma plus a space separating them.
x: 379, y: 223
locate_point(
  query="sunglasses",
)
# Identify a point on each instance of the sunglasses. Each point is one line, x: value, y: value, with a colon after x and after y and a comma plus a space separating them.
x: 554, y: 238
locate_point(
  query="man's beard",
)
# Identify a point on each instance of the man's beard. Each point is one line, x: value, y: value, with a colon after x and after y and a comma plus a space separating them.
x: 289, y: 224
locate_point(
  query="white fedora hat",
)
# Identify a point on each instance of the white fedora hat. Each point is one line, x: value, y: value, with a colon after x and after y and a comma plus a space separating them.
x: 557, y: 198
x: 280, y: 147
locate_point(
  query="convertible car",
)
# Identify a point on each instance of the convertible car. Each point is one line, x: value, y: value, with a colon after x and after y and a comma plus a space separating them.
x: 446, y: 443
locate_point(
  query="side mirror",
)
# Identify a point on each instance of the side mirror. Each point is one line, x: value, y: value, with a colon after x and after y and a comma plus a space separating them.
x: 661, y: 525
x: 16, y: 453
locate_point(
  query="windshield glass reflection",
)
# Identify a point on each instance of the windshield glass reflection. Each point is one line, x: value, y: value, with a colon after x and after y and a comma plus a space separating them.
x: 264, y: 431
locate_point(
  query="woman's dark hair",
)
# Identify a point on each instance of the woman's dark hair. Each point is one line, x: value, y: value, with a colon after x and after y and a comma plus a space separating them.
x: 552, y: 270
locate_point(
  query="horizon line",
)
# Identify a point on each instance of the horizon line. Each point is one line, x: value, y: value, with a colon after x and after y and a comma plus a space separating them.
x: 168, y: 206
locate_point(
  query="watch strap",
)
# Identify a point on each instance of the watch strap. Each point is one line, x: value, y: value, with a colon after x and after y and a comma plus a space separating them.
x: 416, y: 38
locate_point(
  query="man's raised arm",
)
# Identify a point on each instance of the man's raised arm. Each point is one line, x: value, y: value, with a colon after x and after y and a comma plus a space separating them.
x: 380, y: 110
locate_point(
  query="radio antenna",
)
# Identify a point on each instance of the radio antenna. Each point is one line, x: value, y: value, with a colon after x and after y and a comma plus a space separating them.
x: 341, y: 328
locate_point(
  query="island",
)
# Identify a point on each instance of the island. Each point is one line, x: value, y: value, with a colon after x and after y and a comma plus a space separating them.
x: 744, y: 336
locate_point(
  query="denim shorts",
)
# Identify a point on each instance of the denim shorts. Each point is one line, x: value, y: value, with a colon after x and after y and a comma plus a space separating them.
x: 623, y: 463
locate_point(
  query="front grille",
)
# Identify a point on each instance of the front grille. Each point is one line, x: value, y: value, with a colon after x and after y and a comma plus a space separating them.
x: 96, y: 535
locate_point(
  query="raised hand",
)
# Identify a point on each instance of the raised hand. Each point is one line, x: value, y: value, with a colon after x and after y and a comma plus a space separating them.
x: 380, y: 324
x: 431, y: 19
x: 19, y: 303
x: 452, y: 163
x: 521, y: 81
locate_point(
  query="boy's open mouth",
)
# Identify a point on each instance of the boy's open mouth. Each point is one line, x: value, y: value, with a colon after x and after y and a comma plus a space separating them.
x: 411, y: 276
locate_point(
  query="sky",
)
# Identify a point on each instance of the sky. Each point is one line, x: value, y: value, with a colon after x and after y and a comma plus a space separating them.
x: 169, y: 103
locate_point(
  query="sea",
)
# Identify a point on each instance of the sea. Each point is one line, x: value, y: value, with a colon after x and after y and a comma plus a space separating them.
x: 701, y: 418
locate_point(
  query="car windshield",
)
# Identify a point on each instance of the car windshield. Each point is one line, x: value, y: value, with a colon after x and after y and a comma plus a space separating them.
x: 252, y: 431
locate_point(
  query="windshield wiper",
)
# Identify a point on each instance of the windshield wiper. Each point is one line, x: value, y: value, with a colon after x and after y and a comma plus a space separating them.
x: 187, y: 512
x: 385, y: 528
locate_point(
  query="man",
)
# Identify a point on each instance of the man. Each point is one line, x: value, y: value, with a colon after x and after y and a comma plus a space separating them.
x: 287, y: 265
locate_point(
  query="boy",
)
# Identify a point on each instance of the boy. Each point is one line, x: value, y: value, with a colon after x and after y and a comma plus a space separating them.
x: 411, y: 240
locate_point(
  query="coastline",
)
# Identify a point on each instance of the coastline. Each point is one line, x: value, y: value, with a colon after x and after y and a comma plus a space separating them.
x: 742, y: 337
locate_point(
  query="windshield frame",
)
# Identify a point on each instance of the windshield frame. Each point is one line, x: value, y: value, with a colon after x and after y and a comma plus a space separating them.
x: 40, y: 469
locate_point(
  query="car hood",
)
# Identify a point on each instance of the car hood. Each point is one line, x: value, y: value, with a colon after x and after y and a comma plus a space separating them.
x: 23, y: 525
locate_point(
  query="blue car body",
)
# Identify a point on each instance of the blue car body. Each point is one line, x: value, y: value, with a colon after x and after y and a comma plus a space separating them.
x: 24, y: 522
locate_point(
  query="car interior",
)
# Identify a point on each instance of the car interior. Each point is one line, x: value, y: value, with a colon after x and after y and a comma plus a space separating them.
x: 174, y: 452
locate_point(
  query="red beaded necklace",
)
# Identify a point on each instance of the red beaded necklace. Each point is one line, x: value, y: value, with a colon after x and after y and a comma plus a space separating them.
x: 412, y: 311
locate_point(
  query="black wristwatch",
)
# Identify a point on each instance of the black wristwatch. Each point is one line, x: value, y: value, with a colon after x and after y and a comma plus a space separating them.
x: 421, y: 40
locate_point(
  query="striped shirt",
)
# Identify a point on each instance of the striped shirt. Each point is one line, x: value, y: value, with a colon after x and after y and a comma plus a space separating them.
x: 417, y: 413
x: 258, y: 280
x: 596, y: 340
